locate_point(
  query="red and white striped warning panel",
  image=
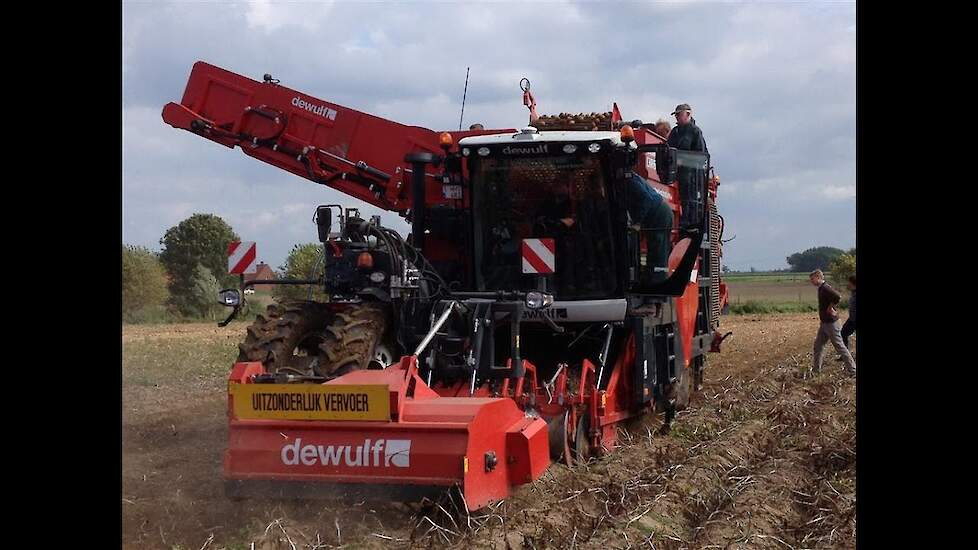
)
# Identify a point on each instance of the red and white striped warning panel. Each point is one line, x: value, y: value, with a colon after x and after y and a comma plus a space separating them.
x: 242, y: 257
x: 538, y: 255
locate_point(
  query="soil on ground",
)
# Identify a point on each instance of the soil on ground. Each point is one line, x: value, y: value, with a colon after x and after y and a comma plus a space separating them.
x: 764, y: 457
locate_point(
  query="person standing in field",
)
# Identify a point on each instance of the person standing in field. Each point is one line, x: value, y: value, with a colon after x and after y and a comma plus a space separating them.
x: 828, y: 329
x: 849, y: 326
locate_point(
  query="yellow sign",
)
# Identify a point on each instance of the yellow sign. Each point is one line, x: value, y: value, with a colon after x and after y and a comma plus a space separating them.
x: 310, y: 401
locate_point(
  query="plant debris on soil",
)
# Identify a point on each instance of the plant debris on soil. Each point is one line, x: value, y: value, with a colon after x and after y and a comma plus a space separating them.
x: 764, y: 457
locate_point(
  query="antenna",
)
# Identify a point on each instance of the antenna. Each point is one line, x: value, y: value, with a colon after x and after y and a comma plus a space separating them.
x: 463, y: 98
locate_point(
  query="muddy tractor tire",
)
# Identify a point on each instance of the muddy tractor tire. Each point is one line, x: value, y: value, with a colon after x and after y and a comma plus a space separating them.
x: 356, y: 339
x: 287, y: 337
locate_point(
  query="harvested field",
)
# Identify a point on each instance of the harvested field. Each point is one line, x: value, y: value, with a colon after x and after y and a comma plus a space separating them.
x: 763, y: 458
x: 772, y: 291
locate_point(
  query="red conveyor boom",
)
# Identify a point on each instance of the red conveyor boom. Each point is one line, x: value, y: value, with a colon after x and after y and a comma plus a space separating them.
x: 357, y: 153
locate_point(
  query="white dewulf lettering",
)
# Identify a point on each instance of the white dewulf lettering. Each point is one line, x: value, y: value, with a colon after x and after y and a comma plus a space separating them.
x: 358, y: 461
x: 320, y: 110
x: 308, y: 455
x: 330, y: 455
x: 397, y: 452
x: 295, y: 453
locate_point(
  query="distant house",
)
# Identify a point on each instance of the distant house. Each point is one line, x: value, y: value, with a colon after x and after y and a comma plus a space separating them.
x: 264, y: 273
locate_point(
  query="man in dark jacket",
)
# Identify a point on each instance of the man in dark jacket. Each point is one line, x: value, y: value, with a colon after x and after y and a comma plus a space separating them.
x: 687, y: 136
x: 850, y: 325
x: 828, y: 330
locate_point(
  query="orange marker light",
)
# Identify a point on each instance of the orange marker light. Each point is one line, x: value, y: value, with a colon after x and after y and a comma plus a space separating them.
x: 365, y: 260
x: 446, y: 141
x: 627, y: 134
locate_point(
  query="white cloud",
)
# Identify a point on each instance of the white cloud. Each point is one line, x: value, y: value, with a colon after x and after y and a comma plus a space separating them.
x: 144, y: 134
x: 178, y: 210
x: 272, y: 15
x: 839, y: 192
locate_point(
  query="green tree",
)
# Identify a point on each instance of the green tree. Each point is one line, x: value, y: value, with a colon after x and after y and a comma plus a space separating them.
x: 203, y: 292
x: 143, y: 281
x: 814, y: 258
x: 305, y: 261
x: 200, y: 239
x: 842, y: 268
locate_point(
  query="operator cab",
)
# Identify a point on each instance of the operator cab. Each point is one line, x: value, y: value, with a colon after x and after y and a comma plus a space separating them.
x: 545, y: 185
x: 558, y: 185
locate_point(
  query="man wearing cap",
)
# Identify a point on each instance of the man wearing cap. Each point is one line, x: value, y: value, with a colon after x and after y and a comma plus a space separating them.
x: 687, y: 136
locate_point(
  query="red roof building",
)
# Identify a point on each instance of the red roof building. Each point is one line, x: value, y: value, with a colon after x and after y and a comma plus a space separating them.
x: 264, y: 272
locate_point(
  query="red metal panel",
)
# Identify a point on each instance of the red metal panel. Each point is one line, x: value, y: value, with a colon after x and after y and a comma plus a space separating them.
x: 276, y: 124
x: 686, y: 305
x: 527, y: 451
x: 346, y: 452
x: 436, y: 441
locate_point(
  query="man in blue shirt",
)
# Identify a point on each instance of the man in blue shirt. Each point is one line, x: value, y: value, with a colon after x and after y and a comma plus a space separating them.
x: 650, y: 210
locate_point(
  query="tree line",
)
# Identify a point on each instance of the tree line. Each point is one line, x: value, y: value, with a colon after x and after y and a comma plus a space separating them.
x: 841, y: 264
x: 183, y: 279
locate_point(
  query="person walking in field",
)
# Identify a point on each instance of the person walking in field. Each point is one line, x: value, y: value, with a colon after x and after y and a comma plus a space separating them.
x: 828, y: 329
x: 849, y: 326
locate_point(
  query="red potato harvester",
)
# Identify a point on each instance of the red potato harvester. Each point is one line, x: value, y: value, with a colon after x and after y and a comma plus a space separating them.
x: 525, y: 316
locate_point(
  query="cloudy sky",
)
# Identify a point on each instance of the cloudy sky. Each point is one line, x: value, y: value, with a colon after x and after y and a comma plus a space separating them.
x: 772, y: 85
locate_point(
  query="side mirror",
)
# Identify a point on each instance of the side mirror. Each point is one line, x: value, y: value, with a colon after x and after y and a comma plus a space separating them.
x: 230, y: 297
x: 666, y: 163
x: 324, y: 222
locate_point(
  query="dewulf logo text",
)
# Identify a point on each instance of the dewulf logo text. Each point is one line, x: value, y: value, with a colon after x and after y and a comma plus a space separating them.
x: 381, y: 453
x: 510, y: 150
x: 320, y: 110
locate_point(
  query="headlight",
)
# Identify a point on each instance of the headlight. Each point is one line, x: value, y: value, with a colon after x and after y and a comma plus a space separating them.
x: 377, y: 277
x: 594, y: 147
x: 538, y: 300
x: 465, y: 151
x: 570, y: 148
x: 483, y: 151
